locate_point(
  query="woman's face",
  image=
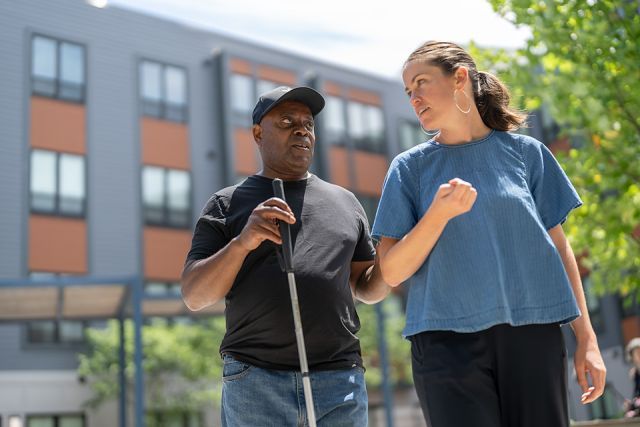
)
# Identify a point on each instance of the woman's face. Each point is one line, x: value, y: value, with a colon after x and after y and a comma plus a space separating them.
x: 430, y: 93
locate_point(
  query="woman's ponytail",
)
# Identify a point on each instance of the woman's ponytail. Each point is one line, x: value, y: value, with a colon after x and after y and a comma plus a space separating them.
x: 492, y: 99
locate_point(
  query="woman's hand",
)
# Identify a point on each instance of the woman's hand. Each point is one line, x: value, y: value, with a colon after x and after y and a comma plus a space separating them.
x: 588, y: 363
x: 453, y: 199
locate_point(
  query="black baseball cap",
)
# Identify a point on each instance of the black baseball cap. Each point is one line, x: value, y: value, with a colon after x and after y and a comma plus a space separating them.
x: 269, y: 100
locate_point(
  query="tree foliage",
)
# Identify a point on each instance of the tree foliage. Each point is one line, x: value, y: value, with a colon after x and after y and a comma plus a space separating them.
x: 582, y: 66
x: 398, y: 348
x: 182, y: 369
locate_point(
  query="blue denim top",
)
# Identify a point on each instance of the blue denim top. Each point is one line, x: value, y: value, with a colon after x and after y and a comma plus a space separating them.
x: 496, y: 263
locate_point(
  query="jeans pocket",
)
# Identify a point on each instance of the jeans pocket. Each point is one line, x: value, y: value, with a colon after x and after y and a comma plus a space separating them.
x: 234, y: 369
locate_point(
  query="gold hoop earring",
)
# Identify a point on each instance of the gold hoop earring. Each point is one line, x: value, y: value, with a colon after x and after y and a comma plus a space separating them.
x: 455, y: 100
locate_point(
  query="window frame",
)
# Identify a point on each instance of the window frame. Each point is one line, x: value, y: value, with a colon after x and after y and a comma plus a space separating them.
x: 369, y: 204
x: 367, y: 141
x: 56, y: 211
x: 56, y: 342
x: 57, y: 81
x: 164, y: 107
x: 166, y: 212
x: 405, y: 123
x: 56, y: 417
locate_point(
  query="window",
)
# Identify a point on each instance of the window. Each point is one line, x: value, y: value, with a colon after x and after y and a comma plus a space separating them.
x: 550, y: 129
x: 370, y: 205
x: 166, y: 195
x: 366, y: 126
x: 55, y: 421
x: 593, y: 305
x: 242, y: 99
x: 173, y: 419
x: 163, y: 90
x: 163, y: 289
x: 265, y: 86
x: 52, y: 331
x: 333, y: 116
x: 57, y: 69
x: 57, y: 183
x: 410, y: 135
x: 55, y: 332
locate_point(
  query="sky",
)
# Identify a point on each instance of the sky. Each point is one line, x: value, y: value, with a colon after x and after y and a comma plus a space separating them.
x: 372, y: 36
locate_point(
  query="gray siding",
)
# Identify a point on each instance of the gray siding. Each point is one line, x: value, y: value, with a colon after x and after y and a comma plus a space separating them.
x: 16, y: 355
x: 12, y: 135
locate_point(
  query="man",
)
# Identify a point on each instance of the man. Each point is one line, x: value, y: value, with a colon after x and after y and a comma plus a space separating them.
x: 234, y: 256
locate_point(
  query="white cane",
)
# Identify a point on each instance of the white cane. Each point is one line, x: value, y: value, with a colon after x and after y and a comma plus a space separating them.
x: 287, y: 255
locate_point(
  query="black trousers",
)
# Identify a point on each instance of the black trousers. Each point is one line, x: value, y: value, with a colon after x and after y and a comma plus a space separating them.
x: 504, y: 376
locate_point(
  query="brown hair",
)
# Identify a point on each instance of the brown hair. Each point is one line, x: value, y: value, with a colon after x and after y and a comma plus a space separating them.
x: 490, y: 94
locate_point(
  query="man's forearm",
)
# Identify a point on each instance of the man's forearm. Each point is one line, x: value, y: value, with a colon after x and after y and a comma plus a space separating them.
x: 370, y: 287
x: 207, y: 281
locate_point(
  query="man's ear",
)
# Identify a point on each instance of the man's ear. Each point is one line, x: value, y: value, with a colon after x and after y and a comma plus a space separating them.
x: 257, y: 134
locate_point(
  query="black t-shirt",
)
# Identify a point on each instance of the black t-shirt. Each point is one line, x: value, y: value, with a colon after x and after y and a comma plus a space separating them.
x: 330, y: 232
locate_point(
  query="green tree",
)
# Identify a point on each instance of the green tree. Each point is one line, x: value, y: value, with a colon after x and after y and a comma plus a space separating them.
x: 182, y: 372
x: 398, y: 348
x: 581, y: 64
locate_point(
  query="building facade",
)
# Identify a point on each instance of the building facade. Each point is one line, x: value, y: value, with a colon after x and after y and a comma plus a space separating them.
x: 115, y: 129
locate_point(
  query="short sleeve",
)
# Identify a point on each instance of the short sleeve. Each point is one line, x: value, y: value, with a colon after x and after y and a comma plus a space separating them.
x: 552, y: 191
x: 210, y: 234
x: 364, y: 250
x: 397, y: 211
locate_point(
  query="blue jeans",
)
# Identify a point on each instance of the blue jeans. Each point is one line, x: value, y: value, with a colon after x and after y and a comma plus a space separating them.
x: 253, y: 396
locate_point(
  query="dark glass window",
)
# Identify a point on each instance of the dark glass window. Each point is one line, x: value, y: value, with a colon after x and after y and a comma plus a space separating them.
x: 593, y: 305
x: 166, y: 195
x: 410, y: 135
x: 370, y: 205
x: 263, y: 86
x: 333, y: 117
x: 57, y: 183
x: 242, y: 99
x: 57, y: 69
x: 55, y: 421
x: 366, y: 126
x: 52, y: 331
x: 163, y: 91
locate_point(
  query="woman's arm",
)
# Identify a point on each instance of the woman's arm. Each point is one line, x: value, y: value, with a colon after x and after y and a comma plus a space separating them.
x: 399, y: 259
x: 587, y: 358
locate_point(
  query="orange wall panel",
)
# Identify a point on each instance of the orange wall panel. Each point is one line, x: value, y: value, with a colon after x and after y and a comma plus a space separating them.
x: 240, y: 66
x: 339, y: 166
x: 164, y: 143
x: 246, y: 152
x: 333, y: 89
x: 630, y: 328
x: 370, y: 172
x: 277, y: 75
x: 57, y: 125
x: 57, y: 244
x: 364, y: 96
x: 164, y: 252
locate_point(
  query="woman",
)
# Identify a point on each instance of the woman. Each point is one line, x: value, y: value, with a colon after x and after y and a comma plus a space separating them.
x: 471, y: 220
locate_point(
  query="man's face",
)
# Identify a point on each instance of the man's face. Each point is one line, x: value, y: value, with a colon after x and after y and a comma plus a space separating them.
x: 286, y: 140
